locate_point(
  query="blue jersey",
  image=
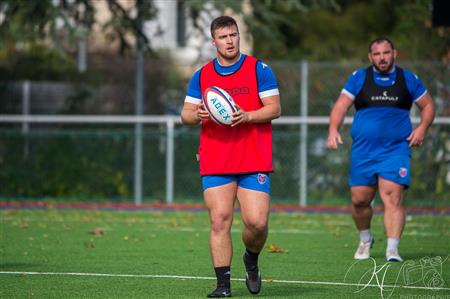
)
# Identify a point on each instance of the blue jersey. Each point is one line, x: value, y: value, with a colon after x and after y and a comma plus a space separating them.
x: 267, y: 84
x: 382, y: 131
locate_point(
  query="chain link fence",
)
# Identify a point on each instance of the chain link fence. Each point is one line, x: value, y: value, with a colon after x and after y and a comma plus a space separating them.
x: 86, y: 161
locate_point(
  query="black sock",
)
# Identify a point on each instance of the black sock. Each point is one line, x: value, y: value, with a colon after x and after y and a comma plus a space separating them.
x: 223, y: 275
x: 251, y: 260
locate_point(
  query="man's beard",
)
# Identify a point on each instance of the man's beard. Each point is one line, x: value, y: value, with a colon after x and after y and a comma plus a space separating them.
x: 389, y: 68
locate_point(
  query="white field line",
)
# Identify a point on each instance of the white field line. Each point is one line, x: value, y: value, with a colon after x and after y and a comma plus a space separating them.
x: 182, y: 277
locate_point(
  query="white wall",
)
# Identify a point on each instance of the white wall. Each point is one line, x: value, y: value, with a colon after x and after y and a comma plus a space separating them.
x: 162, y: 33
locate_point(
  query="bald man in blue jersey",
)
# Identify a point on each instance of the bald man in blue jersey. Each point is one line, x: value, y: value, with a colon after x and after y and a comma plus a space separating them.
x: 382, y: 137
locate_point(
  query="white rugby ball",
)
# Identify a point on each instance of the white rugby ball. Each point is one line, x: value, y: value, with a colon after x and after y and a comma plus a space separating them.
x: 219, y: 104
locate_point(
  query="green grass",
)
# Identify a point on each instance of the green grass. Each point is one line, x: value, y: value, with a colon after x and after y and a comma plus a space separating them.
x: 148, y: 243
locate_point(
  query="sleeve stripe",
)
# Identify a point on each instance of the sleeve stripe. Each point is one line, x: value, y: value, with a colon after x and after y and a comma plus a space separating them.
x: 419, y: 97
x: 269, y: 93
x: 351, y: 96
x: 192, y: 100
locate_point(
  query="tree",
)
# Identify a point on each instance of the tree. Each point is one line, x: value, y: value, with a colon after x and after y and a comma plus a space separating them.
x: 333, y: 29
x: 26, y: 22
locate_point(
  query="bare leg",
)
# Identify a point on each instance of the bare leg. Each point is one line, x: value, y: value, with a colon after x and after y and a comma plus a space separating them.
x: 362, y: 212
x: 394, y: 212
x: 362, y: 196
x: 219, y: 201
x: 394, y: 216
x: 255, y: 212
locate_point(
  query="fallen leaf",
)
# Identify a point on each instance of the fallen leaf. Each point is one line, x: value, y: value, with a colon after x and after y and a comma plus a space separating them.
x: 98, y: 231
x: 272, y: 248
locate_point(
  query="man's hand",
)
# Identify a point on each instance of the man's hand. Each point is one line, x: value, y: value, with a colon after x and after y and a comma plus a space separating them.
x: 427, y: 112
x: 193, y: 114
x: 416, y: 137
x: 340, y: 108
x: 201, y: 113
x: 240, y: 116
x: 334, y: 138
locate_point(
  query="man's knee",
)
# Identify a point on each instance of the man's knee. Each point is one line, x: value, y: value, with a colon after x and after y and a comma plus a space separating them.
x: 362, y: 196
x: 392, y: 199
x: 221, y: 222
x: 361, y: 202
x: 257, y: 226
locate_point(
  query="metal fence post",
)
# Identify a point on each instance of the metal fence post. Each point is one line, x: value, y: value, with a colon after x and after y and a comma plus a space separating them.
x: 303, y: 168
x: 138, y: 127
x: 25, y: 104
x: 169, y: 160
x: 26, y: 112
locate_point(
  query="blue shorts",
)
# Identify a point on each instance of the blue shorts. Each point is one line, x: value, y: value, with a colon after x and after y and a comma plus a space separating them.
x: 365, y: 171
x: 257, y: 181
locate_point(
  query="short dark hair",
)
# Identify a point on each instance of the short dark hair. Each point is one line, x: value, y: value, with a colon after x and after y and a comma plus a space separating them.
x: 380, y: 40
x: 221, y: 22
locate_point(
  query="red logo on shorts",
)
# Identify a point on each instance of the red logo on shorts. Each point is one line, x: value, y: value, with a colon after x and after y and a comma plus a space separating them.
x: 262, y: 178
x: 403, y: 172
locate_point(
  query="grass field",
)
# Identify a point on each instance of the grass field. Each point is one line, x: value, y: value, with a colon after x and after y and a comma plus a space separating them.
x: 154, y: 254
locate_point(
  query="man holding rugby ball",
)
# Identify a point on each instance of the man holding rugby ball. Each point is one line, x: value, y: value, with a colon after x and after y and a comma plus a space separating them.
x: 235, y: 160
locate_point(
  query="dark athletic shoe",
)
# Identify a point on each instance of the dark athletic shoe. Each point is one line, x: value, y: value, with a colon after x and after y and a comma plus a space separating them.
x: 253, y: 281
x: 220, y: 292
x: 252, y: 277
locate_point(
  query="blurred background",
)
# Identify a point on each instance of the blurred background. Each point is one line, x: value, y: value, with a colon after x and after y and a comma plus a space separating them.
x: 91, y: 91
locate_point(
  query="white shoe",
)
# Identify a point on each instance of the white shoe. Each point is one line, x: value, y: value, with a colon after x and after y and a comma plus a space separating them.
x: 393, y: 256
x: 363, y: 251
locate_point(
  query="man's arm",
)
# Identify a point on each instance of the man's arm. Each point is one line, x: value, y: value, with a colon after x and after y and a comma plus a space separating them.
x: 427, y: 113
x: 270, y: 110
x: 193, y: 114
x: 337, y: 115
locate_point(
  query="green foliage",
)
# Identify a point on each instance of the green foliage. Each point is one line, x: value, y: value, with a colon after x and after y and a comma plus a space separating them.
x: 76, y: 102
x: 413, y: 32
x: 291, y: 29
x: 42, y: 167
x: 37, y: 63
x: 41, y: 63
x: 97, y: 163
x: 63, y: 22
x: 25, y: 20
x: 344, y: 35
x: 337, y: 29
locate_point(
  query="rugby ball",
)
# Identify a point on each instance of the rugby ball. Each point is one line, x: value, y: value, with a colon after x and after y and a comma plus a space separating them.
x: 219, y: 104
